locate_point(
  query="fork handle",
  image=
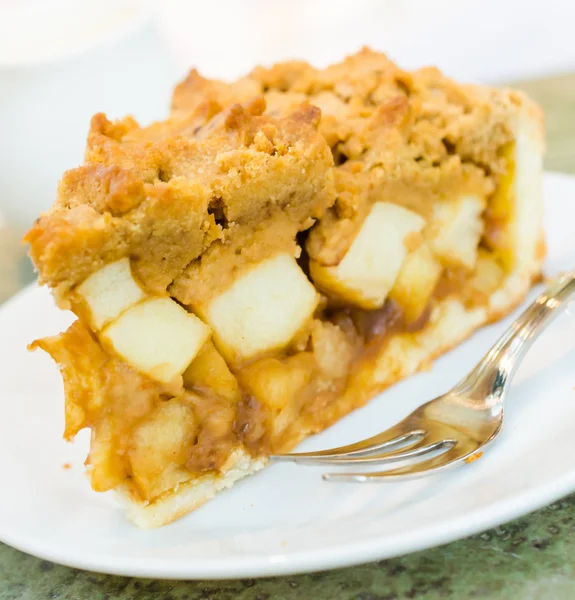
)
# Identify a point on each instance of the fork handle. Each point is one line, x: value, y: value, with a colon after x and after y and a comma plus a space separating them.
x: 501, y: 362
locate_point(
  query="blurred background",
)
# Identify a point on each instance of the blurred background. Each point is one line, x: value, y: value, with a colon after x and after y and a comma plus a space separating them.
x: 63, y: 60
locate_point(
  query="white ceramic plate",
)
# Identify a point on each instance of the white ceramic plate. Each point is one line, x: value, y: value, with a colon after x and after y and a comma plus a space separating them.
x: 286, y: 519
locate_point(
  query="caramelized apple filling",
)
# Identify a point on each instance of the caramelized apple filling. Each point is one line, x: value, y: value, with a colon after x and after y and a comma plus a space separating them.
x: 170, y: 391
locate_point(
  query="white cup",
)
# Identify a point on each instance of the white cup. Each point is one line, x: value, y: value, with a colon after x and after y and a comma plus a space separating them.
x: 61, y: 61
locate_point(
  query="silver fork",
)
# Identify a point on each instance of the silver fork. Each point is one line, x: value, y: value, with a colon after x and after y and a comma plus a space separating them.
x: 454, y: 427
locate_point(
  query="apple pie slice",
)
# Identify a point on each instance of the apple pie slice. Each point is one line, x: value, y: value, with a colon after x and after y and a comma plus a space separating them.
x: 271, y: 256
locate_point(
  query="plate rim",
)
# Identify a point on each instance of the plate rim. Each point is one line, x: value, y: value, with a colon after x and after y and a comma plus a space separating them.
x: 335, y: 557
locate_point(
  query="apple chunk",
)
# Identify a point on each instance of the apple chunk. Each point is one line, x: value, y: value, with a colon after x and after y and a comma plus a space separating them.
x: 159, y: 446
x: 372, y: 263
x: 209, y: 371
x: 275, y: 383
x: 455, y: 230
x: 157, y: 337
x: 264, y: 309
x: 415, y: 283
x: 109, y: 292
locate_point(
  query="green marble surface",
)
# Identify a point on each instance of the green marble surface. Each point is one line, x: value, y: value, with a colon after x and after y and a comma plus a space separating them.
x: 532, y: 558
x: 529, y: 559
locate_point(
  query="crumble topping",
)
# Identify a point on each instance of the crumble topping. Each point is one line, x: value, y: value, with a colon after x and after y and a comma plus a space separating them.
x: 162, y: 195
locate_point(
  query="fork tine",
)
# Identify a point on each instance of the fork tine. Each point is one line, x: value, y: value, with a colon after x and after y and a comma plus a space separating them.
x: 414, y: 451
x: 386, y: 439
x: 420, y: 468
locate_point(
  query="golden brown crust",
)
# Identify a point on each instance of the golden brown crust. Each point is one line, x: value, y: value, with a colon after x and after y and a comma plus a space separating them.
x: 366, y: 94
x: 197, y: 92
x: 161, y: 195
x: 409, y: 138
